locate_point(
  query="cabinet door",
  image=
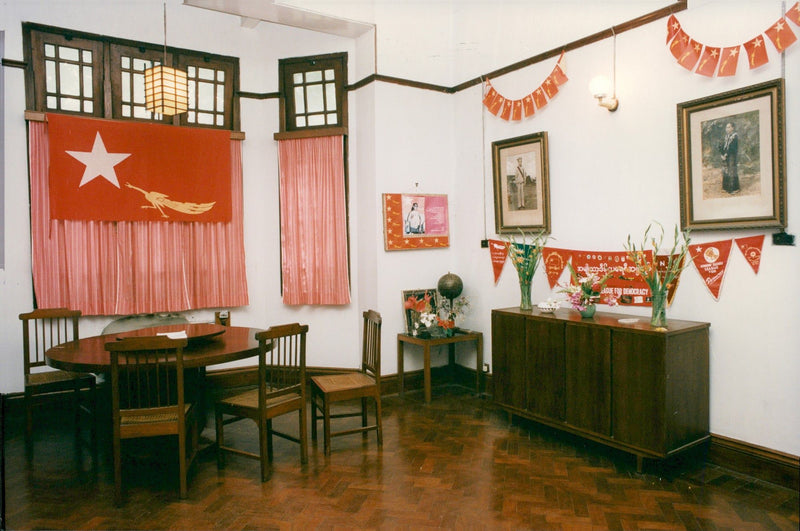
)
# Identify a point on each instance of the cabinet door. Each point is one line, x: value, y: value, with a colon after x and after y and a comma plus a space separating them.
x: 508, y: 358
x: 639, y: 379
x: 545, y: 364
x: 588, y: 376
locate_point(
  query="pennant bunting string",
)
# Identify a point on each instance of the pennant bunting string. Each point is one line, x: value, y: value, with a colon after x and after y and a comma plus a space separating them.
x: 706, y: 60
x: 514, y: 110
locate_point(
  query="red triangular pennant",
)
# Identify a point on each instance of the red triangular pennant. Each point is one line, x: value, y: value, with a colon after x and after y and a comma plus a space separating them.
x: 756, y: 52
x: 708, y: 61
x: 728, y: 60
x: 711, y: 259
x: 555, y: 260
x: 781, y: 35
x: 751, y: 250
x: 794, y: 13
x: 497, y: 252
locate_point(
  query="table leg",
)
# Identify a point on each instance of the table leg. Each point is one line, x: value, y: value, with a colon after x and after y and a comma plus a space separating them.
x: 479, y: 362
x: 400, y: 366
x: 427, y: 374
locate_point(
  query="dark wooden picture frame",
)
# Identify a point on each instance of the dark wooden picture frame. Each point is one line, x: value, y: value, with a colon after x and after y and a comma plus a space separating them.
x: 521, y: 184
x: 731, y: 159
x: 419, y: 294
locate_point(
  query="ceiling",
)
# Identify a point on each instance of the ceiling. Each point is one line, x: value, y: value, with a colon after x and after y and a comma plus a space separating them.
x: 466, y: 37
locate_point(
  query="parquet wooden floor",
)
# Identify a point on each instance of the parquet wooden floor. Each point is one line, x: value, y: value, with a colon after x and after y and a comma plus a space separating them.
x: 456, y: 464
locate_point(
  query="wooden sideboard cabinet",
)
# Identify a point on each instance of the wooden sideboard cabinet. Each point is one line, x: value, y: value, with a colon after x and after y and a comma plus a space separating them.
x: 623, y: 384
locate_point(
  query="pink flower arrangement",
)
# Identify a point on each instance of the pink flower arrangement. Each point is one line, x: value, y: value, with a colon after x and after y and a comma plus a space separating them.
x: 585, y: 291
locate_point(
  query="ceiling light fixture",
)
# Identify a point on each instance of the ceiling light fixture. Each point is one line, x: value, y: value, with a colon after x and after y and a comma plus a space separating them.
x: 604, y: 90
x: 165, y: 89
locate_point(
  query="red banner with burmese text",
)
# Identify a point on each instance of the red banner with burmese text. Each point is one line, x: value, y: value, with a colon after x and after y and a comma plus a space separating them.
x: 132, y: 171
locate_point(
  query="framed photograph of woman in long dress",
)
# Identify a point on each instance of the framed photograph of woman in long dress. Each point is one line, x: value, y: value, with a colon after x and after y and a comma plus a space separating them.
x: 731, y: 159
x: 521, y: 184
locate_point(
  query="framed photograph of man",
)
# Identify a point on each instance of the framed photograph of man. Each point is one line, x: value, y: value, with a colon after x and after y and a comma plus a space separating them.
x: 521, y: 184
x: 731, y: 159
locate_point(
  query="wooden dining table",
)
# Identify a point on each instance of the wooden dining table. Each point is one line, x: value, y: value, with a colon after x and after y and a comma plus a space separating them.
x: 209, y: 344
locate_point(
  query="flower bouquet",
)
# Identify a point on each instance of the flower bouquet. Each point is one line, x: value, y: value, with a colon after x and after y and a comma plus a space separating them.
x: 660, y: 272
x: 452, y: 312
x: 420, y: 309
x: 525, y: 257
x: 584, y: 292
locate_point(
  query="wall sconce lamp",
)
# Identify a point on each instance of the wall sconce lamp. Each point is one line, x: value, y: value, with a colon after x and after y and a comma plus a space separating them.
x: 165, y: 89
x: 603, y: 89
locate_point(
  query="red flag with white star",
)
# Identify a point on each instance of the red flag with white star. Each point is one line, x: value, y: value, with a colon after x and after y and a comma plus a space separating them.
x: 673, y: 26
x: 516, y: 110
x: 538, y: 98
x: 678, y: 44
x: 781, y: 35
x: 756, y: 52
x: 119, y: 170
x: 793, y: 13
x: 728, y: 60
x: 691, y: 54
x: 527, y: 106
x: 708, y: 61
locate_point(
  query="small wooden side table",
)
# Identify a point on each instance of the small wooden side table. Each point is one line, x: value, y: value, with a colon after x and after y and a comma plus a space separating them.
x: 460, y: 336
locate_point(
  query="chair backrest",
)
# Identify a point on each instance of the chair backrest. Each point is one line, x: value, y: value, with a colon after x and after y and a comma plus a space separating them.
x: 282, y: 360
x: 45, y: 328
x: 147, y: 374
x: 371, y: 352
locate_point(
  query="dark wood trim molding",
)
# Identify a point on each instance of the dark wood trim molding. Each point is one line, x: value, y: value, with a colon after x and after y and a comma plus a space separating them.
x: 310, y: 133
x: 679, y: 5
x: 13, y: 63
x: 258, y: 95
x: 763, y: 463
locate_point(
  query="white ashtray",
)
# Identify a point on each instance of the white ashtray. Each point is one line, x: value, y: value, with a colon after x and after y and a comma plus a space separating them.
x: 547, y: 306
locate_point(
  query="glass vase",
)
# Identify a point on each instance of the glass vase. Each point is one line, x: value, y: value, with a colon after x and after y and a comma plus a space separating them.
x: 658, y: 317
x: 525, y: 295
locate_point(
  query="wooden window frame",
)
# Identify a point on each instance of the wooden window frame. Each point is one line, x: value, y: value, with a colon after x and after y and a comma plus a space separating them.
x: 291, y: 66
x: 107, y: 87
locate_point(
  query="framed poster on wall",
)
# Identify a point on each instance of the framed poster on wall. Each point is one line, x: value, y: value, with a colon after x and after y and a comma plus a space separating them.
x: 415, y: 221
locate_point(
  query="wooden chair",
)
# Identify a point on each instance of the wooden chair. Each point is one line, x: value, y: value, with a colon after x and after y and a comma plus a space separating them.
x: 148, y: 399
x: 281, y: 389
x: 43, y: 329
x: 365, y: 384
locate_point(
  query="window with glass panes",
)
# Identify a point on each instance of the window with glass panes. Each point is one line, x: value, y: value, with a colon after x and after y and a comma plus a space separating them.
x: 313, y: 90
x: 69, y: 75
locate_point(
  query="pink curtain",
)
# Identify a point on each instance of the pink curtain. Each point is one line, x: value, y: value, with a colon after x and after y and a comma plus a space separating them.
x: 120, y: 268
x: 313, y: 221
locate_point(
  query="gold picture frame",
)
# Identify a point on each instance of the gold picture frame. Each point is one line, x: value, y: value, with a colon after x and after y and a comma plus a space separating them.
x: 521, y: 184
x: 731, y: 159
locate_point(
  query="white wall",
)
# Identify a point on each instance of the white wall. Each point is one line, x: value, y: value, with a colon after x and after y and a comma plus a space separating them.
x: 611, y: 174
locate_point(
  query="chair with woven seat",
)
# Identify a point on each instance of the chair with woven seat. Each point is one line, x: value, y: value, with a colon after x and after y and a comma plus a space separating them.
x: 364, y: 384
x: 281, y: 389
x: 43, y: 329
x: 148, y: 399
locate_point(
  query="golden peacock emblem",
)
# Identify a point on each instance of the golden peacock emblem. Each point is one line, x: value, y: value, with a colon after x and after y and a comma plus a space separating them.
x: 159, y: 201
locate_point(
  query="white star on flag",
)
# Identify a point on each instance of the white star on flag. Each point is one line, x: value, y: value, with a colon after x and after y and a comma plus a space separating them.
x: 99, y: 162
